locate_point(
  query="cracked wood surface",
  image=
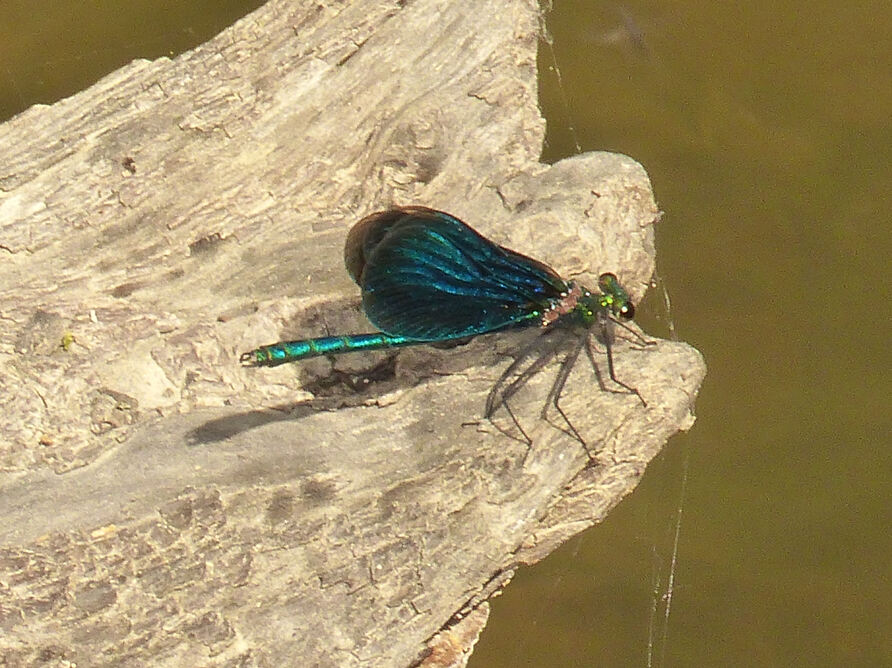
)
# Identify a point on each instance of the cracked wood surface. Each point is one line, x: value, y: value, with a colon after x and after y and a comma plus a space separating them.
x: 159, y: 503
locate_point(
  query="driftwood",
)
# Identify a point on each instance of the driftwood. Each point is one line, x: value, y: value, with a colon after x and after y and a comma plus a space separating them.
x: 161, y: 505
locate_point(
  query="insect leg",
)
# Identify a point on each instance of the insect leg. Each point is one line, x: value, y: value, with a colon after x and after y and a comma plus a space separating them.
x: 640, y: 338
x: 503, y: 390
x: 605, y: 335
x: 557, y: 388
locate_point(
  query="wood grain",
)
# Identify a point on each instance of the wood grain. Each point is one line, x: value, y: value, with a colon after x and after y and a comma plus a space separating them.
x: 161, y: 505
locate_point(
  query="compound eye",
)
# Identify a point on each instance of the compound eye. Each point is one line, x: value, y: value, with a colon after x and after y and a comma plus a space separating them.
x: 606, y: 282
x: 627, y: 312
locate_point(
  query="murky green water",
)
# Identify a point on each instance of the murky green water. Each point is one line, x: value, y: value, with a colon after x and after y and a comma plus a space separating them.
x: 50, y: 49
x: 765, y: 129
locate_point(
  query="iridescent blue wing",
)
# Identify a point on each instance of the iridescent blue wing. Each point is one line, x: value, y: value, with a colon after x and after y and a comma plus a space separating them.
x: 426, y: 275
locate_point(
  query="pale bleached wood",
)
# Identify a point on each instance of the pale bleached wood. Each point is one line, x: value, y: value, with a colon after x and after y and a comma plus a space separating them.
x: 161, y: 505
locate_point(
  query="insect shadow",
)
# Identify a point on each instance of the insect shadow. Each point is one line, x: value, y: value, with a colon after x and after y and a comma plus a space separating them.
x: 539, y: 352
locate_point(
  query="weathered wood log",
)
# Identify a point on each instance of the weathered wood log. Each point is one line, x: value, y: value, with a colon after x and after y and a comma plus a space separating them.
x: 162, y: 505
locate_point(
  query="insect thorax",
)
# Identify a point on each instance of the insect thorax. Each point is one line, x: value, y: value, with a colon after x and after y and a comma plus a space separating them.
x: 577, y: 303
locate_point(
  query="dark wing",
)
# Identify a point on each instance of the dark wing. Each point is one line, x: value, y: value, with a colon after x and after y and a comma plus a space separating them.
x: 426, y: 275
x: 364, y: 236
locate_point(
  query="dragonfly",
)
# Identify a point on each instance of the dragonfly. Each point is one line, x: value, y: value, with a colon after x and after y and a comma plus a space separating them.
x: 426, y: 277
